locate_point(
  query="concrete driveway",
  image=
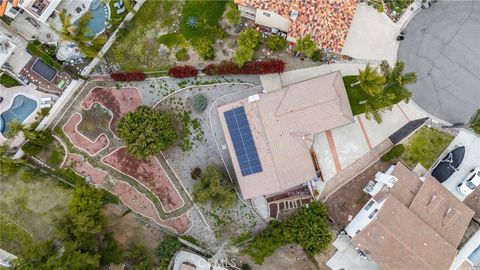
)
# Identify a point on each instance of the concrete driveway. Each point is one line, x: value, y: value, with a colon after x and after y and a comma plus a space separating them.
x: 442, y: 47
x: 372, y: 36
x: 470, y: 161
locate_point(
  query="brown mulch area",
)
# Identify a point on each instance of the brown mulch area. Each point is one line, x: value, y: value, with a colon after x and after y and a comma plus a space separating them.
x: 350, y: 198
x: 149, y: 173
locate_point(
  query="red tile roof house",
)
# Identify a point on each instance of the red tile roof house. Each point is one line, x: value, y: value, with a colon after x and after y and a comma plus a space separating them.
x: 277, y: 156
x: 327, y: 21
x: 409, y: 224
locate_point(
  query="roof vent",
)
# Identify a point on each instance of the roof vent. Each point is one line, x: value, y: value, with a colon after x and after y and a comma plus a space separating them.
x: 449, y: 217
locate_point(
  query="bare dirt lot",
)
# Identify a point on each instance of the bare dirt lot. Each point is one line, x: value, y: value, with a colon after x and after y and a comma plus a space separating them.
x: 128, y: 230
x: 349, y: 199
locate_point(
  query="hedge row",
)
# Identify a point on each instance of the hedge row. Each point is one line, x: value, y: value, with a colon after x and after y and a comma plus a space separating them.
x: 182, y: 72
x: 393, y: 153
x: 128, y: 76
x: 261, y: 67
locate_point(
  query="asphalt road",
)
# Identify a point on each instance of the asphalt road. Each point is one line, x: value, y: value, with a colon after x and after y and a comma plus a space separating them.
x: 442, y: 45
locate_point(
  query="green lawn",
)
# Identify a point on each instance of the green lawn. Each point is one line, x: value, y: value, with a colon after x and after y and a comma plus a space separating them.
x: 205, y: 13
x: 355, y: 95
x: 8, y: 81
x: 34, y: 201
x: 425, y: 146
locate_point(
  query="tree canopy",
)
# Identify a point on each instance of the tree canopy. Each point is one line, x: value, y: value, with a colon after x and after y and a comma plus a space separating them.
x: 249, y: 38
x: 307, y: 228
x: 210, y: 188
x: 147, y: 131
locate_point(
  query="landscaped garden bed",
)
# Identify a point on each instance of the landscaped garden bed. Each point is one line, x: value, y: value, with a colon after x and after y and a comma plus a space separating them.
x: 118, y: 101
x: 8, y: 81
x: 82, y: 167
x: 142, y: 205
x: 80, y: 141
x: 149, y: 173
x: 95, y: 121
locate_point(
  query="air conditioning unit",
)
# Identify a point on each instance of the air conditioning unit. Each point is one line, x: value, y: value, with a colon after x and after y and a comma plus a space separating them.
x: 369, y: 187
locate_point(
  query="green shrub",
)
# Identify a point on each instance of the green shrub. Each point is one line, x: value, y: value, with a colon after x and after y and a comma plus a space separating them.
x: 475, y: 122
x: 8, y: 81
x: 55, y: 158
x: 167, y: 248
x: 31, y: 149
x: 182, y: 54
x: 246, y: 266
x: 171, y: 40
x: 393, y: 153
x: 243, y: 55
x: 233, y: 15
x: 196, y: 173
x: 276, y: 43
x: 199, y: 103
x: 204, y: 49
x: 316, y: 56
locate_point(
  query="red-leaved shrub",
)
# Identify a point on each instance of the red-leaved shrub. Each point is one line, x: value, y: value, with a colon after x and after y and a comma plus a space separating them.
x: 128, y: 76
x: 182, y: 72
x: 260, y: 67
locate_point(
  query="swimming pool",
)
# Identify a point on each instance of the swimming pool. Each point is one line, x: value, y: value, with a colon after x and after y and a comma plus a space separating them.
x: 44, y: 70
x: 21, y: 108
x: 99, y: 17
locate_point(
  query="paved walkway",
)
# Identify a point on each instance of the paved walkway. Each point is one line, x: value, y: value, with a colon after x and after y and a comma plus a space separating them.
x: 442, y: 47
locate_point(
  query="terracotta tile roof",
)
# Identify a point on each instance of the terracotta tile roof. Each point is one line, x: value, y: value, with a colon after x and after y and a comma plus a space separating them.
x: 398, y: 239
x: 328, y: 21
x: 437, y: 207
x: 283, y: 123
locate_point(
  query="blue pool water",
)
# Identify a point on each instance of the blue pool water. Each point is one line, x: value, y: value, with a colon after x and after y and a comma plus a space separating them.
x: 99, y: 17
x: 21, y: 108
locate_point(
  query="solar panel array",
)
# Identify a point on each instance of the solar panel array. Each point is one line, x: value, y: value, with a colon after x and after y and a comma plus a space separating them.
x: 243, y: 141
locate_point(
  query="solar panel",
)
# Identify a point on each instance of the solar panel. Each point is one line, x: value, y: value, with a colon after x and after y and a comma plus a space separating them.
x: 243, y: 141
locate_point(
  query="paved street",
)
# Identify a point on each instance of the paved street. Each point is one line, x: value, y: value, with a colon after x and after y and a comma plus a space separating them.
x: 442, y: 47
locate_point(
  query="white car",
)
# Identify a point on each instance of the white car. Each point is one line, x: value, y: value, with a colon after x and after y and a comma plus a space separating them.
x: 471, y: 182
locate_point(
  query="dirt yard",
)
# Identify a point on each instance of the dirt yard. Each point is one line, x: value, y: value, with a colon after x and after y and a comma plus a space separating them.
x: 79, y: 140
x: 118, y: 101
x: 129, y: 231
x: 149, y: 173
x: 285, y: 258
x: 349, y: 199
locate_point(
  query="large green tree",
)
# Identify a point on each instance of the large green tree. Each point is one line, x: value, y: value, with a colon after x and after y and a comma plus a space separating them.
x: 276, y: 43
x: 307, y: 228
x: 210, y: 188
x: 147, y: 131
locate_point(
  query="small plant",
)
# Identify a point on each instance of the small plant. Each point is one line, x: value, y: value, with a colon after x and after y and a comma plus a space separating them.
x: 196, y: 173
x: 182, y: 54
x: 199, y: 103
x: 246, y: 266
x: 475, y: 122
x: 276, y: 43
x: 393, y: 153
x: 316, y: 56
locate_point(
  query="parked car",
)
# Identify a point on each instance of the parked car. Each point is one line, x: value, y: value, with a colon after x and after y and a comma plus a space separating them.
x: 449, y: 164
x: 1, y: 99
x: 470, y: 183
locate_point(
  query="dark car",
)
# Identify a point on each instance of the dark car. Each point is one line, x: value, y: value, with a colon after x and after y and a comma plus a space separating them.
x: 449, y: 164
x: 1, y: 99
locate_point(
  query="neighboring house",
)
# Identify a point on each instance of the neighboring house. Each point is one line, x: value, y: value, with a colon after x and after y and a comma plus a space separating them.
x: 13, y: 55
x: 468, y: 257
x: 269, y: 136
x: 409, y: 224
x: 41, y: 10
x: 185, y: 260
x: 326, y: 21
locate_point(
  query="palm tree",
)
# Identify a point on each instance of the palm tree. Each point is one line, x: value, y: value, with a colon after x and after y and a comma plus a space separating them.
x: 370, y: 81
x: 14, y: 127
x: 396, y: 80
x: 66, y: 33
x: 375, y: 105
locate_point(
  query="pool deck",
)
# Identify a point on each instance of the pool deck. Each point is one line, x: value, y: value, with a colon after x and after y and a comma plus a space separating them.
x: 9, y: 94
